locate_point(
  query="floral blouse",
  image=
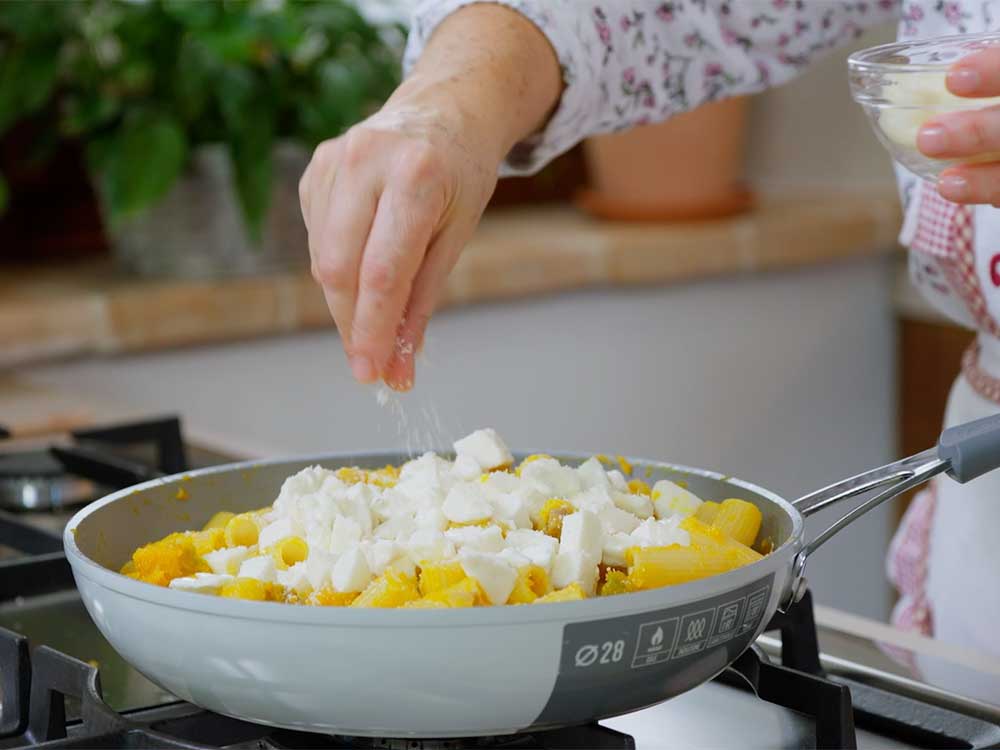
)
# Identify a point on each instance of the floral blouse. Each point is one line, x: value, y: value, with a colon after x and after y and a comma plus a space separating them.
x: 632, y: 62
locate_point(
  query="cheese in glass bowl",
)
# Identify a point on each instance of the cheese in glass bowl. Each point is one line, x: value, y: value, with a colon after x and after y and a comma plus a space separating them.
x: 901, y: 86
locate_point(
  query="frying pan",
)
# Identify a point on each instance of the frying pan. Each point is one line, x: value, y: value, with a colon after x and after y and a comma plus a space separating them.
x: 463, y: 672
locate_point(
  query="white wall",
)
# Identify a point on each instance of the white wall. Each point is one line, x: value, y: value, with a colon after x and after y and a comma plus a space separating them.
x: 811, y: 132
x: 783, y: 379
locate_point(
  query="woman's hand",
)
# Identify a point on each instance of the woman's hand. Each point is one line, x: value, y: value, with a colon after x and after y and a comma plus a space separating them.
x: 390, y: 204
x: 389, y: 207
x: 973, y: 135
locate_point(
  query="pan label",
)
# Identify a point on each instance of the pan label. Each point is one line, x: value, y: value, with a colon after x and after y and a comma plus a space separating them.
x: 619, y: 664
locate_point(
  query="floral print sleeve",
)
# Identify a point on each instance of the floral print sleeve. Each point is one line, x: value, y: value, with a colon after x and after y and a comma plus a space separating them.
x: 636, y: 62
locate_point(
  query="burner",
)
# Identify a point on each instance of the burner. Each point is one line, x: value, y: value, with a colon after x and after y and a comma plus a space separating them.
x: 35, y: 480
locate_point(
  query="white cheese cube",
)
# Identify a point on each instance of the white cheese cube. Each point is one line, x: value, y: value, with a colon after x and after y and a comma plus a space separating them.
x: 638, y: 505
x: 670, y: 499
x: 404, y: 566
x: 318, y: 567
x: 495, y: 575
x: 262, y: 568
x: 514, y: 558
x: 614, y: 548
x: 431, y: 519
x: 345, y: 535
x: 551, y: 478
x: 653, y: 533
x: 593, y: 476
x: 296, y: 578
x: 274, y: 532
x: 488, y: 539
x: 510, y: 507
x: 429, y: 545
x: 318, y: 537
x: 201, y: 583
x: 573, y: 566
x: 614, y: 520
x: 582, y: 532
x: 381, y: 554
x: 594, y: 500
x: 396, y: 528
x: 226, y: 561
x: 540, y: 548
x: 503, y: 481
x: 486, y: 448
x: 466, y: 503
x: 351, y: 571
x: 521, y: 539
x: 617, y: 480
x: 466, y: 468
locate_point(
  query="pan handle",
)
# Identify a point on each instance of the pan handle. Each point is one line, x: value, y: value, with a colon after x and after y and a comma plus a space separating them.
x: 965, y: 452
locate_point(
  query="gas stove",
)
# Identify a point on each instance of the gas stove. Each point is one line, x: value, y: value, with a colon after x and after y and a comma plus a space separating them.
x: 63, y: 686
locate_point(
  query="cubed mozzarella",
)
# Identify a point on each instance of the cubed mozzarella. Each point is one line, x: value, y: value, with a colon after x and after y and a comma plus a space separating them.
x: 429, y: 545
x: 511, y: 508
x: 538, y: 547
x: 318, y: 567
x: 226, y: 561
x: 201, y: 583
x: 262, y: 568
x: 617, y: 480
x: 345, y: 534
x: 593, y: 476
x: 466, y: 503
x: 614, y: 520
x: 495, y: 575
x: 514, y: 558
x: 502, y: 481
x: 670, y: 500
x: 488, y: 539
x: 381, y: 554
x: 486, y: 448
x: 614, y: 548
x: 466, y: 468
x: 432, y: 519
x: 573, y: 566
x: 638, y: 505
x: 318, y: 537
x: 396, y: 528
x: 296, y: 578
x: 653, y: 533
x: 594, y: 500
x: 351, y: 571
x: 551, y: 478
x: 274, y: 532
x: 582, y: 532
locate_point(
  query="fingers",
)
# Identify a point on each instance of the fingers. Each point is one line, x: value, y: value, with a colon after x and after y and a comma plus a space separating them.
x: 961, y: 134
x: 976, y: 75
x: 408, y: 214
x: 971, y: 183
x: 427, y: 290
x: 339, y: 226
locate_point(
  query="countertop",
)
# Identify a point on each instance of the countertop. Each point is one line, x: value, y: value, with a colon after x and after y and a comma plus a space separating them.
x: 65, y: 311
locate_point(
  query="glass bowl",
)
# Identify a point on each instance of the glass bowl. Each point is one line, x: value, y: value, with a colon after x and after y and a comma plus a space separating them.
x: 902, y: 85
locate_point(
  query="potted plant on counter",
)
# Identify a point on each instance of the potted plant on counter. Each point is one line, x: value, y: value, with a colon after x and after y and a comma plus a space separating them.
x: 197, y: 117
x: 689, y: 167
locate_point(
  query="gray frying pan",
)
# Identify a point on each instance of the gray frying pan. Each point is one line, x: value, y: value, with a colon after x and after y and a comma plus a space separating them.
x: 453, y: 673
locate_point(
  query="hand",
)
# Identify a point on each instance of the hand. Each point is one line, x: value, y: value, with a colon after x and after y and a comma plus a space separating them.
x: 973, y: 136
x: 389, y: 207
x: 390, y: 204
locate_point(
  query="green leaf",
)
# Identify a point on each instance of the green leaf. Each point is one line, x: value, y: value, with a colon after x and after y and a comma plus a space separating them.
x: 27, y: 78
x: 3, y: 195
x: 140, y: 162
x: 252, y: 176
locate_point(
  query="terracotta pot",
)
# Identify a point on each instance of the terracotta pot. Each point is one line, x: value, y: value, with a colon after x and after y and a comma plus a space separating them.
x: 689, y: 167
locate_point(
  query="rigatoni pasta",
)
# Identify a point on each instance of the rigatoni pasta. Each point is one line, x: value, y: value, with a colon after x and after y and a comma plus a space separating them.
x: 474, y: 531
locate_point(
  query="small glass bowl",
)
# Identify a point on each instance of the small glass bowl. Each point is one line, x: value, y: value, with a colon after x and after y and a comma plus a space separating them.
x: 902, y: 85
